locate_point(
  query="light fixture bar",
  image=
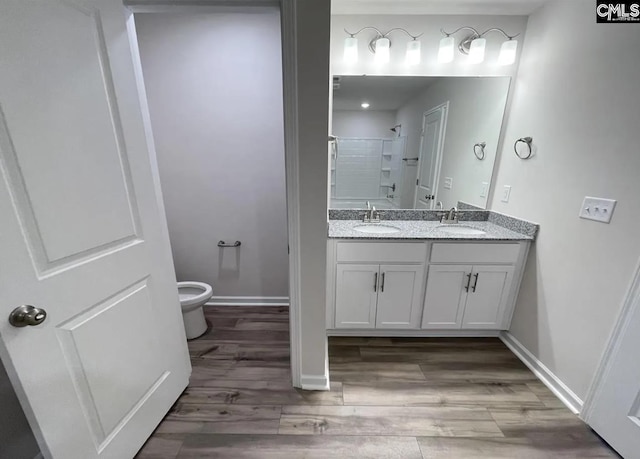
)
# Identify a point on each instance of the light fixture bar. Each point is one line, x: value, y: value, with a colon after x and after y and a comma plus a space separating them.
x: 380, y: 44
x: 474, y: 45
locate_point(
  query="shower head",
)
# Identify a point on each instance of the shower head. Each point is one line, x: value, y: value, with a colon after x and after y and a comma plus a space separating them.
x: 396, y: 128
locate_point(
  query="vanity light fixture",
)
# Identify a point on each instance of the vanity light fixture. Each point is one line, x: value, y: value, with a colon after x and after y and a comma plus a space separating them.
x: 351, y: 50
x: 380, y: 46
x: 474, y: 46
x: 365, y: 105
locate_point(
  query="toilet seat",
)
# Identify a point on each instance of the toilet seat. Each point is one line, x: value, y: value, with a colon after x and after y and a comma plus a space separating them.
x: 193, y: 293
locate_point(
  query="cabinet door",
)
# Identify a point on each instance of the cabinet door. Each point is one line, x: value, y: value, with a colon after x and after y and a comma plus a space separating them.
x: 399, y: 296
x: 356, y: 294
x: 486, y: 302
x: 446, y: 295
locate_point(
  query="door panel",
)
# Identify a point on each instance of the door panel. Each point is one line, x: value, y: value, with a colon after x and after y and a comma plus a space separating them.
x: 356, y: 295
x: 486, y: 300
x: 445, y: 296
x: 74, y: 119
x: 430, y: 152
x: 615, y: 410
x: 399, y: 297
x: 83, y: 234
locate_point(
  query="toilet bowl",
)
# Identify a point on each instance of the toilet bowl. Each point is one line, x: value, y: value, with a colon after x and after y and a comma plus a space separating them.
x: 193, y: 295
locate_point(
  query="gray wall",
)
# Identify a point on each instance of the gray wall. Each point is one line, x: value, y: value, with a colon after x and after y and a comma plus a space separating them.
x: 214, y: 84
x: 16, y: 438
x: 363, y: 123
x: 581, y: 105
x: 313, y: 20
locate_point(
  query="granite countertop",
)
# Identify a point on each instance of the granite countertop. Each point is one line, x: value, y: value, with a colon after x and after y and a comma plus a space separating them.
x: 417, y: 229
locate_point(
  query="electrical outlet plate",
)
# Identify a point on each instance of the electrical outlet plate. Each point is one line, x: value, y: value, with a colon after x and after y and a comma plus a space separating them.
x: 448, y: 183
x: 506, y: 193
x: 598, y: 209
x: 484, y: 190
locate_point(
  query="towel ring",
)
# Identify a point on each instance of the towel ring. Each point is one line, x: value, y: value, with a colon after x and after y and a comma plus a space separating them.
x: 479, y: 153
x: 528, y: 141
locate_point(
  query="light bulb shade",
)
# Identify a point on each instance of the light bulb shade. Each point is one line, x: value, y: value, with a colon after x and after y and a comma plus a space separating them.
x: 508, y: 52
x: 476, y: 50
x: 413, y: 52
x: 382, y: 50
x: 351, y: 50
x: 445, y: 52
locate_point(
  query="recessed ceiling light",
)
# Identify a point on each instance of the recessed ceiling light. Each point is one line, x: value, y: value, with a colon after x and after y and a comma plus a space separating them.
x: 364, y: 104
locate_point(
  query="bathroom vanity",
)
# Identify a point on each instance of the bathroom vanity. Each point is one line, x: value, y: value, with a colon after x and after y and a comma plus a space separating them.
x: 422, y: 278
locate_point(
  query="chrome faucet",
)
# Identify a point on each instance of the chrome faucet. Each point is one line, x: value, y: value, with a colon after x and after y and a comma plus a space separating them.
x: 371, y: 215
x: 451, y: 216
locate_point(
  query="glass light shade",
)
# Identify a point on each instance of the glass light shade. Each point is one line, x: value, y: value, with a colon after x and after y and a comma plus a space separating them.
x: 508, y: 52
x: 382, y: 50
x: 351, y: 50
x: 445, y: 52
x: 413, y: 52
x: 476, y: 50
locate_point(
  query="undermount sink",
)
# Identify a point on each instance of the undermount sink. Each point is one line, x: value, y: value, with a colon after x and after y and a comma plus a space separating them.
x: 376, y: 229
x: 462, y: 230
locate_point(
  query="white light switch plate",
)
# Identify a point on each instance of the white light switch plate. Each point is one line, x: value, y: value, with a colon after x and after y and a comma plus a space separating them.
x: 506, y: 192
x: 448, y: 183
x: 598, y: 209
x: 484, y: 190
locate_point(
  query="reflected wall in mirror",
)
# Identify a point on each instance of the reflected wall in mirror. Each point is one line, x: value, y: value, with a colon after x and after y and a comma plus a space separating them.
x: 405, y: 142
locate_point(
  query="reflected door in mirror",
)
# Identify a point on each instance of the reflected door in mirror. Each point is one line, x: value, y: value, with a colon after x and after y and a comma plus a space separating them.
x: 430, y: 157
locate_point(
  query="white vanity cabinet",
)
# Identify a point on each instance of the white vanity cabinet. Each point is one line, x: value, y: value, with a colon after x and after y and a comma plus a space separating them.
x: 378, y: 285
x: 471, y: 285
x: 422, y: 288
x: 466, y: 296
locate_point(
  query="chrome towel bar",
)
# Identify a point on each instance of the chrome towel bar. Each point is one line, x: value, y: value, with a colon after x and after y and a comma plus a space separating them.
x: 224, y: 244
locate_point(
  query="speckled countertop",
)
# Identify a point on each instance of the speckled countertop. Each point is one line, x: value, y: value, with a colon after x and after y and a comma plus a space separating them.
x: 416, y: 229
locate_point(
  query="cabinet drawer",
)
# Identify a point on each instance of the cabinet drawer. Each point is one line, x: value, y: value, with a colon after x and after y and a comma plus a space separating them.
x: 461, y: 252
x: 381, y: 252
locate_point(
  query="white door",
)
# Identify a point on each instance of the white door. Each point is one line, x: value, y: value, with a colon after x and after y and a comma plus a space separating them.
x: 399, y: 298
x: 431, y: 145
x: 445, y: 297
x: 83, y: 234
x: 615, y: 410
x: 486, y: 300
x: 356, y: 295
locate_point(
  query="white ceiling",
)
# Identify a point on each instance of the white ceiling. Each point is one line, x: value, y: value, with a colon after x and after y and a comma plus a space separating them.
x: 382, y: 92
x: 488, y: 7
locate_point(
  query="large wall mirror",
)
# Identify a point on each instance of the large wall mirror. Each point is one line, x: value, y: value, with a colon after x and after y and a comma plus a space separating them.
x: 404, y: 142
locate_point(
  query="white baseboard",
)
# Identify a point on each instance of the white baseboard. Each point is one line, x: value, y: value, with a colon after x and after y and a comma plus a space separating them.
x: 560, y: 389
x: 314, y: 382
x: 415, y: 333
x: 248, y: 301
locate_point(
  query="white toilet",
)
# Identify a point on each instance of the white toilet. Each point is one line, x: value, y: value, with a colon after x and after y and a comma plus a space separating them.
x: 193, y: 295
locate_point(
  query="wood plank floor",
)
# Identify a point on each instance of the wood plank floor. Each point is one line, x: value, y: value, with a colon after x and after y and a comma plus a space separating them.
x: 390, y: 398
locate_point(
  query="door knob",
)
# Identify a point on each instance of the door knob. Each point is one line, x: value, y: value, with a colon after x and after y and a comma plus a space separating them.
x: 27, y: 315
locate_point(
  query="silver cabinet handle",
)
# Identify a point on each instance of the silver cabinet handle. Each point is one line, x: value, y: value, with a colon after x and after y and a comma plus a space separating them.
x: 468, y: 282
x: 375, y: 282
x: 475, y: 283
x: 382, y: 283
